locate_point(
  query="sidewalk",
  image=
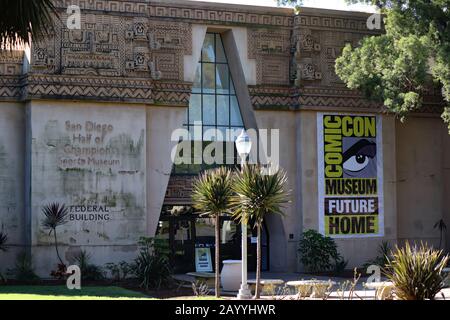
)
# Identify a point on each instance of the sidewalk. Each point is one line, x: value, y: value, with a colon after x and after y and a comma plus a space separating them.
x: 360, y: 292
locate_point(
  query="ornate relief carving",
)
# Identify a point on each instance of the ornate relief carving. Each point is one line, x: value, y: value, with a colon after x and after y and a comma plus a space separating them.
x: 93, y: 50
x: 308, y: 71
x: 305, y: 63
x: 10, y: 88
x: 11, y: 63
x: 271, y: 49
x: 99, y: 88
x: 174, y: 41
x: 169, y: 93
x: 187, y: 11
x: 277, y: 98
x: 313, y: 18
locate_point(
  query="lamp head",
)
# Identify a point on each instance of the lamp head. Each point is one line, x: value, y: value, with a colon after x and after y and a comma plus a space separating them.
x: 243, y: 144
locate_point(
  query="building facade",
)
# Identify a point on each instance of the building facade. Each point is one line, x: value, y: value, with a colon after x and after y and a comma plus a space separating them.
x: 87, y: 118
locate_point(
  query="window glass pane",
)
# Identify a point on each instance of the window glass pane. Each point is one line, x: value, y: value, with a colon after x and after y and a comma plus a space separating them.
x: 220, y: 52
x: 222, y: 79
x: 223, y: 110
x: 195, y: 108
x: 236, y: 119
x: 209, y: 109
x: 197, y: 87
x: 223, y: 134
x: 213, y: 105
x: 209, y: 133
x: 209, y: 78
x: 196, y: 133
x: 208, y: 48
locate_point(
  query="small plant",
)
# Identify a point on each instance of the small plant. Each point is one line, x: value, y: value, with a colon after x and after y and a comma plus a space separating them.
x: 23, y: 269
x: 442, y: 227
x: 89, y: 271
x: 119, y: 271
x: 382, y: 259
x: 200, y: 289
x: 417, y: 272
x: 54, y: 215
x: 60, y: 273
x: 350, y: 287
x: 151, y: 267
x: 317, y: 252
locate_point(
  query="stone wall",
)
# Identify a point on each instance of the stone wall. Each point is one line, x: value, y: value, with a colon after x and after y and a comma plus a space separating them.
x: 12, y: 179
x: 92, y: 159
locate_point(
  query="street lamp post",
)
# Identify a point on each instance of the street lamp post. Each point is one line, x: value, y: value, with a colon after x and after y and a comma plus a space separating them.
x: 244, y: 146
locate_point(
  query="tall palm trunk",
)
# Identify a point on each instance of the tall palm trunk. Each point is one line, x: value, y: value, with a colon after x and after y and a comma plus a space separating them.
x: 258, y: 263
x: 56, y: 247
x: 217, y: 256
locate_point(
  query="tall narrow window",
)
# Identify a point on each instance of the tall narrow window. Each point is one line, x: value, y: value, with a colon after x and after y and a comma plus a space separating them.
x: 214, y: 108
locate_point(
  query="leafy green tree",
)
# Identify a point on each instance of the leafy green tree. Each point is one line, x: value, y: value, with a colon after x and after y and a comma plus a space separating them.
x: 398, y: 68
x: 55, y: 215
x: 259, y: 192
x: 20, y: 19
x: 211, y: 195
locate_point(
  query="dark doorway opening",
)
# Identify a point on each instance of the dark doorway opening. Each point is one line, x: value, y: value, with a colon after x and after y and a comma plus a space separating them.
x: 186, y: 230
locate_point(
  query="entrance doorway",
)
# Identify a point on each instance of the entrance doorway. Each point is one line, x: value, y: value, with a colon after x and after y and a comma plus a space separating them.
x: 186, y: 231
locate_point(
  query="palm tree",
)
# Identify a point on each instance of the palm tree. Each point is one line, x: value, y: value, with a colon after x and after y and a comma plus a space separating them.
x: 258, y: 192
x: 211, y: 195
x: 442, y: 229
x: 20, y: 19
x: 55, y: 215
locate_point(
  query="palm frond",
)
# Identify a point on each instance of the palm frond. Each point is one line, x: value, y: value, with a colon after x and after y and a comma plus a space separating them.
x: 212, y: 191
x: 3, y: 240
x: 258, y: 193
x: 55, y: 215
x: 20, y: 19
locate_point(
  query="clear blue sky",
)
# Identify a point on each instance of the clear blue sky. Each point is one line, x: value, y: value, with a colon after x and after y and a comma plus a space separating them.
x: 327, y: 4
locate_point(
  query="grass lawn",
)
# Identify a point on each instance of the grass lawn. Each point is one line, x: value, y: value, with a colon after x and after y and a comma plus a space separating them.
x: 62, y: 293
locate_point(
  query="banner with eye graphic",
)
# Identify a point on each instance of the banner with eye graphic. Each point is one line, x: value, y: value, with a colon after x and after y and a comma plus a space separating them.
x: 350, y: 175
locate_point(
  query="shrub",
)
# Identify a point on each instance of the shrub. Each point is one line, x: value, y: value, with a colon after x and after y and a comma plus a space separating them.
x: 119, y: 271
x: 60, y: 273
x: 89, y: 271
x: 151, y: 267
x: 340, y: 265
x: 317, y: 252
x: 23, y: 269
x: 417, y: 272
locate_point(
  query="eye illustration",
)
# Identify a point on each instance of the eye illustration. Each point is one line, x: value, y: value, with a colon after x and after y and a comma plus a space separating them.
x: 357, y: 157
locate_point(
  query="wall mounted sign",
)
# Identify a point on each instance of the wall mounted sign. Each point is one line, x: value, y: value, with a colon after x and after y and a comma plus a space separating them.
x: 350, y: 167
x: 203, y: 262
x: 91, y: 158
